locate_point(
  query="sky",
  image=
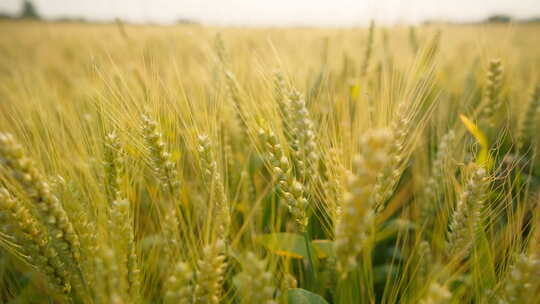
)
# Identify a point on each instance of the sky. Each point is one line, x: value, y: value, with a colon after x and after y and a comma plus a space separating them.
x: 280, y: 12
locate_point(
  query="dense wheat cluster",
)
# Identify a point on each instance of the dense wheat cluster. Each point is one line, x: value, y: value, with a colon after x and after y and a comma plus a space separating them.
x: 192, y: 164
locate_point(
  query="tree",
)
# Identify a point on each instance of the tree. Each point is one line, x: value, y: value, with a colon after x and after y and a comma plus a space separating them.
x: 29, y: 10
x: 499, y: 19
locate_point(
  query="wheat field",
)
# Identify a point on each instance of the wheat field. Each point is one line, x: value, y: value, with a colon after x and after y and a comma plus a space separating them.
x: 193, y: 164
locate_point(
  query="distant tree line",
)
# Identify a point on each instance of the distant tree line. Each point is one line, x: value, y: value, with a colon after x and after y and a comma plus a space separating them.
x: 500, y: 18
x: 29, y: 11
x: 493, y: 19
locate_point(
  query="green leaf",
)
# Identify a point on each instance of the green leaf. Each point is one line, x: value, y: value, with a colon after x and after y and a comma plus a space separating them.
x: 236, y: 282
x: 284, y: 244
x: 302, y: 296
x: 323, y: 248
x: 483, y: 268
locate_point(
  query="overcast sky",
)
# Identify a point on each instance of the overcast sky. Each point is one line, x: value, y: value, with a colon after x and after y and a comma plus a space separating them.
x: 280, y: 12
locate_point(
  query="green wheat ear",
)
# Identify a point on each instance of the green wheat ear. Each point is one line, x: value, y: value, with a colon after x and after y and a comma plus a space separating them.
x: 179, y: 285
x: 247, y: 190
x: 357, y: 219
x: 436, y: 293
x: 36, y: 244
x: 161, y: 162
x: 521, y: 284
x: 492, y: 96
x: 290, y: 189
x: 466, y: 218
x: 218, y: 201
x: 51, y: 212
x: 255, y: 281
x: 210, y: 273
x: 434, y: 184
x: 120, y: 218
x: 526, y: 130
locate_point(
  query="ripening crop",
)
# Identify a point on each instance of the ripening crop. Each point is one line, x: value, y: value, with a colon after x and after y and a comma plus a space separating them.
x: 192, y: 164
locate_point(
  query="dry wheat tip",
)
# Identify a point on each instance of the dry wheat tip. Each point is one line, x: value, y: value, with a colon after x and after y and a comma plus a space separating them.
x: 356, y: 219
